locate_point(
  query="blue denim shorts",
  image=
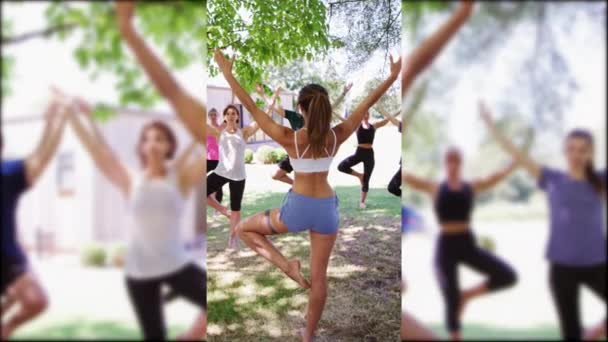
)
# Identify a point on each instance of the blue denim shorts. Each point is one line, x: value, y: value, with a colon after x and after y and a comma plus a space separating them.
x: 321, y: 215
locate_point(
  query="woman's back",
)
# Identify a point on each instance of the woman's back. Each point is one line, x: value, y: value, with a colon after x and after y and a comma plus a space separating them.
x: 311, y: 174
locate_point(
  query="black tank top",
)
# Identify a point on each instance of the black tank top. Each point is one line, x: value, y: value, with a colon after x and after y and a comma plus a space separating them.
x: 366, y: 136
x: 454, y: 205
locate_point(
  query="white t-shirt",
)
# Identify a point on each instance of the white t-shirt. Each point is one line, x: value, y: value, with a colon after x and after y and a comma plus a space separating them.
x: 155, y: 246
x: 231, y: 163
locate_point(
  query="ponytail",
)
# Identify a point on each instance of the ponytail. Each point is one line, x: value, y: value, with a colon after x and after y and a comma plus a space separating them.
x: 593, y: 178
x: 314, y: 99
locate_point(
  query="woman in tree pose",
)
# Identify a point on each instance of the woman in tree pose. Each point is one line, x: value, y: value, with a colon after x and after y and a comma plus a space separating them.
x: 156, y: 255
x: 231, y: 165
x: 213, y: 150
x: 296, y: 121
x: 364, y: 154
x: 454, y: 201
x: 577, y: 243
x: 311, y: 204
x: 167, y: 183
x: 19, y: 283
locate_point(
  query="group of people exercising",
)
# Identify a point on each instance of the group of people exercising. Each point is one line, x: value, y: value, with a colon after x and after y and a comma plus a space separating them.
x: 576, y: 196
x: 155, y: 194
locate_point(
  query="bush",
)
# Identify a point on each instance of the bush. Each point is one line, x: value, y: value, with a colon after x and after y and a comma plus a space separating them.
x: 279, y: 154
x: 265, y: 155
x: 248, y: 156
x: 94, y: 256
x: 117, y: 256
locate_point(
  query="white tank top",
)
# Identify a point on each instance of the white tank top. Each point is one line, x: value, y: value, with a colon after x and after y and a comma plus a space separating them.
x: 310, y: 165
x: 231, y: 163
x: 155, y: 246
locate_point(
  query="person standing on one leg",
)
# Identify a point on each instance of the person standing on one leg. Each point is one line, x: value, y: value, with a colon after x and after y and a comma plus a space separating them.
x: 577, y: 242
x: 20, y: 286
x: 213, y: 153
x: 311, y: 205
x: 296, y: 121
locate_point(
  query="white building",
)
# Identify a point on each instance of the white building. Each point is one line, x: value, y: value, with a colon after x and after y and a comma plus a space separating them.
x: 73, y: 204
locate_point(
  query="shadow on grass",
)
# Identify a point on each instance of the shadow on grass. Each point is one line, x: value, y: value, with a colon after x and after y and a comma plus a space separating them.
x: 486, y: 332
x: 86, y: 330
x: 250, y: 300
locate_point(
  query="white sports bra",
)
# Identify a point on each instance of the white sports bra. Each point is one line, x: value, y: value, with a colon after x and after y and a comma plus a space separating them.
x: 310, y: 165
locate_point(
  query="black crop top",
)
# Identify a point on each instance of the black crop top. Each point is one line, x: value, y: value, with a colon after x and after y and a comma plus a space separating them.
x: 366, y: 136
x: 454, y: 205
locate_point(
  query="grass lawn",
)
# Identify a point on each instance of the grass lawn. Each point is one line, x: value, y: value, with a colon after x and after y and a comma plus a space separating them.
x: 83, y: 329
x: 486, y: 332
x: 250, y: 300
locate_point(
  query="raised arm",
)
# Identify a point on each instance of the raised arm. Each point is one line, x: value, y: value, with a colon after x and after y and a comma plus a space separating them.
x: 38, y: 160
x: 253, y: 127
x: 487, y: 183
x: 391, y: 118
x: 516, y: 153
x: 100, y: 152
x: 428, y: 50
x: 419, y: 184
x: 190, y: 111
x: 381, y: 123
x: 191, y: 167
x: 346, y: 128
x: 276, y: 132
x: 340, y: 98
x: 277, y: 108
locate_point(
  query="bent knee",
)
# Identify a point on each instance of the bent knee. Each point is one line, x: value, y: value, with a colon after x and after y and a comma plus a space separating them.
x: 36, y: 304
x: 504, y: 280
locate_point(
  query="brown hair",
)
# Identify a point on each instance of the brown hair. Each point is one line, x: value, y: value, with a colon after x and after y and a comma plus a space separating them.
x: 592, y: 177
x: 168, y: 133
x: 314, y: 100
x: 238, y: 112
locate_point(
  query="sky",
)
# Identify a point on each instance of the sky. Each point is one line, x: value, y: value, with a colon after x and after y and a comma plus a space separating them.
x: 41, y: 63
x: 585, y: 51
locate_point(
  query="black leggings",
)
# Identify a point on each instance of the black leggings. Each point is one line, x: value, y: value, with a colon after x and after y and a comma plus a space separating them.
x: 145, y: 294
x: 211, y: 165
x: 455, y: 249
x: 394, y: 186
x: 566, y: 282
x: 215, y: 182
x: 362, y: 155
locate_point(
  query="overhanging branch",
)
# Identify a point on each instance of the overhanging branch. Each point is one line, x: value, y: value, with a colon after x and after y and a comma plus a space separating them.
x: 44, y: 33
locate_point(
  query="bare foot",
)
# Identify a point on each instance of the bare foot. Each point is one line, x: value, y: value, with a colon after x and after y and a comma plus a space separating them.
x: 295, y: 274
x: 595, y: 333
x: 188, y: 336
x: 304, y: 335
x: 224, y: 211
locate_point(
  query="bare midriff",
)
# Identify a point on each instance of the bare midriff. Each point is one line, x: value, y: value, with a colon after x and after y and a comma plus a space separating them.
x: 312, y: 185
x: 454, y: 227
x: 366, y: 146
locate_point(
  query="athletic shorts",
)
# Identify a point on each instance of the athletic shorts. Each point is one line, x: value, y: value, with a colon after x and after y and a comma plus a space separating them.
x: 320, y: 215
x: 285, y: 165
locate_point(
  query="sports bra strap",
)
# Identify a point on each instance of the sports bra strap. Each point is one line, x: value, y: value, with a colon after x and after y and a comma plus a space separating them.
x: 295, y: 141
x: 335, y: 142
x: 298, y: 155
